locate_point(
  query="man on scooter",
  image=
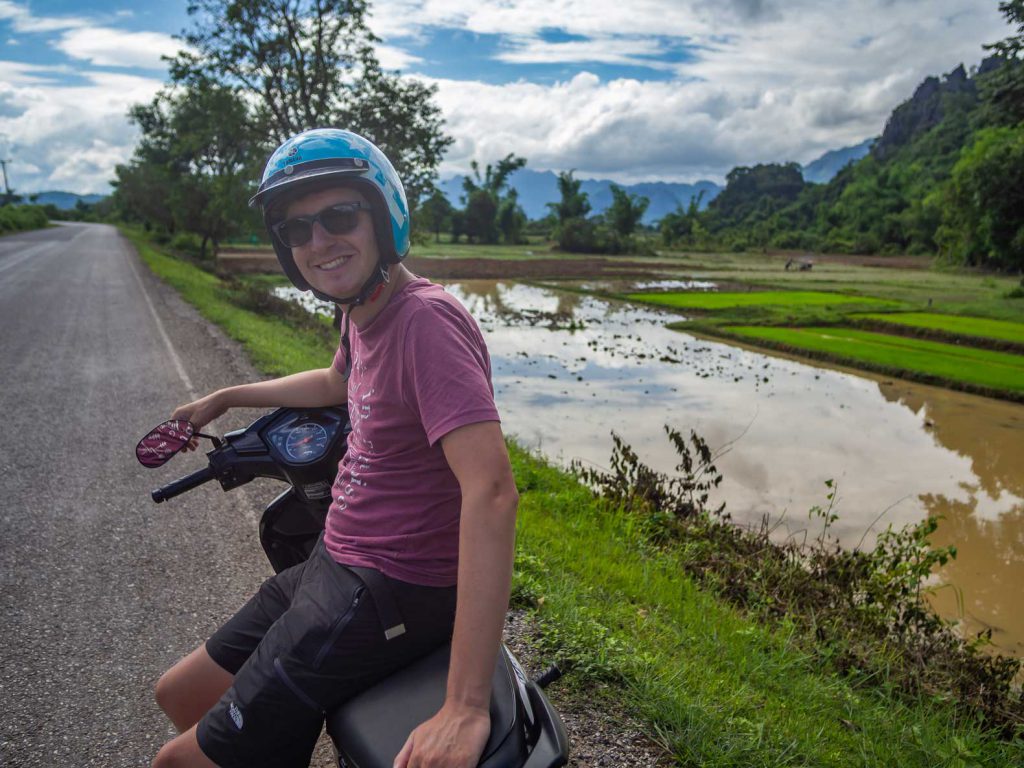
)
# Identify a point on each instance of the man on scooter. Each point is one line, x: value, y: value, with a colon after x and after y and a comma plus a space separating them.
x: 424, y: 496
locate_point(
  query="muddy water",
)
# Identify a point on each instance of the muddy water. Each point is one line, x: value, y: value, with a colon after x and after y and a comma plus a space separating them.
x: 569, y: 368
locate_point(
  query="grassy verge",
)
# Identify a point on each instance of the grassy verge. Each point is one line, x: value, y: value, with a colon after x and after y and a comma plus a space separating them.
x: 970, y: 329
x: 981, y: 370
x: 715, y: 687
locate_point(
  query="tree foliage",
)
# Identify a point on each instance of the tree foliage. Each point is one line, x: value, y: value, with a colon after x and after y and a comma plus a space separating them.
x: 984, y: 222
x: 310, y: 64
x: 194, y: 164
x: 573, y: 203
x: 625, y: 211
x: 435, y: 213
x: 492, y: 210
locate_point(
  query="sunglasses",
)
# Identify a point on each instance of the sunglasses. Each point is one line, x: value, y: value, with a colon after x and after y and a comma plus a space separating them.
x: 336, y: 220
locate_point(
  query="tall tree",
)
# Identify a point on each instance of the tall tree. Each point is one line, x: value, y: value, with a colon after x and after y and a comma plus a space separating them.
x: 1003, y: 87
x: 311, y: 63
x: 435, y: 212
x: 197, y: 167
x: 626, y: 210
x: 485, y: 199
x: 574, y: 204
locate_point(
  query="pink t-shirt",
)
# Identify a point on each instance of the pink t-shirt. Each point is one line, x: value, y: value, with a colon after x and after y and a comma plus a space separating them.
x: 420, y: 369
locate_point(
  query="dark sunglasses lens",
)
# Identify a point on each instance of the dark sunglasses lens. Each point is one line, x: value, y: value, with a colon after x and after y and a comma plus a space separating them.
x: 295, y: 232
x: 339, y: 221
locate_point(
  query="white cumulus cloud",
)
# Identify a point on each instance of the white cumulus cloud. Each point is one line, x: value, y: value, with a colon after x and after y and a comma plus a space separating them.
x: 69, y: 136
x: 109, y: 47
x: 762, y: 81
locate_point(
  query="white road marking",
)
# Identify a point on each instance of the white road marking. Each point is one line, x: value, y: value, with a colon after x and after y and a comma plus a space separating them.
x: 163, y: 333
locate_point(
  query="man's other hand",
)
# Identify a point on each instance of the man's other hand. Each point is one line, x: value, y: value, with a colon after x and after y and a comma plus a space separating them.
x: 453, y: 738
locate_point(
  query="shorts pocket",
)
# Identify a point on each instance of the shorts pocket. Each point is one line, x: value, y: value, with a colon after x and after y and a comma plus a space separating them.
x: 338, y: 627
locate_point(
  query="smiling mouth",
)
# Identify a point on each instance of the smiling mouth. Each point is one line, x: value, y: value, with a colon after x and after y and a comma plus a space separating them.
x: 327, y: 266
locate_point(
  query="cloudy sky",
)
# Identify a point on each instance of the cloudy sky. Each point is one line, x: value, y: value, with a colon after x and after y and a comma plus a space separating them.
x: 623, y: 89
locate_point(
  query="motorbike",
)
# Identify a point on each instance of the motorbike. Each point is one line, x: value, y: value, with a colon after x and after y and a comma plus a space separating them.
x: 302, y: 447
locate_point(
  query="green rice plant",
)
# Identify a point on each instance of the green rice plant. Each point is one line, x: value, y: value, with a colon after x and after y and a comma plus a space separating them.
x: 717, y: 301
x: 957, y: 325
x: 982, y: 368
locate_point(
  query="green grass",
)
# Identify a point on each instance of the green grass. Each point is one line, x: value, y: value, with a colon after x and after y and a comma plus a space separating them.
x: 980, y: 327
x: 719, y: 689
x: 717, y: 301
x: 979, y: 367
x: 715, y: 688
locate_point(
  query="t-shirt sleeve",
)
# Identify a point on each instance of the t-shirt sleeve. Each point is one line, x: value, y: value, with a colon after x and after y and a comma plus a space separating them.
x: 339, y: 360
x: 447, y: 377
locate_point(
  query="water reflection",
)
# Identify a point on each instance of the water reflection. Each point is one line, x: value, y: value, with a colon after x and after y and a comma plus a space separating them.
x: 569, y: 368
x: 898, y: 451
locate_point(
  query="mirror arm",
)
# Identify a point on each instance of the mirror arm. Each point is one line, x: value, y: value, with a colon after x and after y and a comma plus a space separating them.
x: 217, y: 442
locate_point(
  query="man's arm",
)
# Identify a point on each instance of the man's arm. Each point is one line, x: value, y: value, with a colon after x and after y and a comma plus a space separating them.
x: 455, y: 737
x: 308, y: 389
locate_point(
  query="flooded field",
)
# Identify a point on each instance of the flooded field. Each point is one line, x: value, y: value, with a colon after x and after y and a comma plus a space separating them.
x: 570, y: 368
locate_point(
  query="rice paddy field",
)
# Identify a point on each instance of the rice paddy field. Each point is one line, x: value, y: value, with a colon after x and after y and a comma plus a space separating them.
x: 955, y: 329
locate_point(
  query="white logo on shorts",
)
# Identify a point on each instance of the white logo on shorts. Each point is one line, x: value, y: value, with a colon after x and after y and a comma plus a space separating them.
x: 236, y: 715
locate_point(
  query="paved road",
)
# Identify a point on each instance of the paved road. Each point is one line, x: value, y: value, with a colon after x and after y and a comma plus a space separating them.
x: 100, y: 589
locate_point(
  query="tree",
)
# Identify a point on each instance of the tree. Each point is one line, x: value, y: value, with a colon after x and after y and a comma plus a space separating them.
x: 484, y: 200
x: 680, y: 225
x: 626, y: 210
x: 311, y: 63
x: 480, y: 221
x: 984, y: 215
x: 435, y: 213
x: 574, y: 204
x: 511, y: 219
x: 1003, y: 86
x: 195, y: 160
x: 495, y: 177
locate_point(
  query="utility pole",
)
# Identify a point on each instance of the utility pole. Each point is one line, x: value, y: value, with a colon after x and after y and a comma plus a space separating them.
x: 7, y: 187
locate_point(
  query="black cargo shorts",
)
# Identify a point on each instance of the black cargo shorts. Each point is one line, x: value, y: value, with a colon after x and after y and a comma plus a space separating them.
x: 309, y: 639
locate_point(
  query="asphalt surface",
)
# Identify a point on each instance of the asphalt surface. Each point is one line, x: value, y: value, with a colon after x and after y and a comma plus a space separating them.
x: 100, y: 589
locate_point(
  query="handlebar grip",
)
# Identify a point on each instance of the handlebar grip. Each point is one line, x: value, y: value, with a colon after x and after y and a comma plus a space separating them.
x: 186, y: 483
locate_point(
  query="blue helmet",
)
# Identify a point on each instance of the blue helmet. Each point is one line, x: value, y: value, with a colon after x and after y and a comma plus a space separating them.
x: 322, y: 157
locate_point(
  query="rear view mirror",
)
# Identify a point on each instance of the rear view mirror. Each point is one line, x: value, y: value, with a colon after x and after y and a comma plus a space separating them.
x: 156, y: 448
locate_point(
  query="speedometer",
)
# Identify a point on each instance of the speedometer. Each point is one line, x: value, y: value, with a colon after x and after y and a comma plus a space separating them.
x: 306, y: 442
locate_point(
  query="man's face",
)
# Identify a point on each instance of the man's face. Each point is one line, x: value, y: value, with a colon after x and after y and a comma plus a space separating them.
x: 337, y: 265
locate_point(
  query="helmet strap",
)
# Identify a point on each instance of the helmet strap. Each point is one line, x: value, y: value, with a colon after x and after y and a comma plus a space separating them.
x: 370, y: 292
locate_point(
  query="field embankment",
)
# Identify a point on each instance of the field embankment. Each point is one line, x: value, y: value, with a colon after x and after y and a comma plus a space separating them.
x: 645, y: 620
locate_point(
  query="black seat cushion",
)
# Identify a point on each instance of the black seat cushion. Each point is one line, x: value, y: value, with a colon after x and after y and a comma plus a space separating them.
x: 371, y: 728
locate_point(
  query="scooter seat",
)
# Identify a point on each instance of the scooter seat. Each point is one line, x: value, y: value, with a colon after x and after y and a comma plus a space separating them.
x: 369, y: 729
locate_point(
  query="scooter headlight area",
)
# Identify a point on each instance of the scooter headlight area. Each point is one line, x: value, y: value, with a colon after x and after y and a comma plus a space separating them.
x: 302, y: 447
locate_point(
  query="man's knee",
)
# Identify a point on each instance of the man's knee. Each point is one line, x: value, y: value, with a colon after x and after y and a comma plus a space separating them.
x: 171, y: 755
x: 182, y: 752
x: 166, y: 692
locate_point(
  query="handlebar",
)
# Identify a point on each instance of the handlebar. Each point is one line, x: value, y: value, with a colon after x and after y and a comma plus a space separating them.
x: 186, y: 483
